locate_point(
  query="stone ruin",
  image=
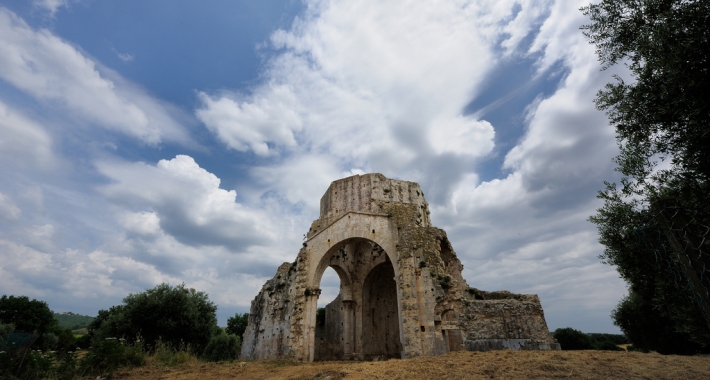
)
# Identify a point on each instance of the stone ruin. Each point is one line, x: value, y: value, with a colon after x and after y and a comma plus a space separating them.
x: 401, y: 290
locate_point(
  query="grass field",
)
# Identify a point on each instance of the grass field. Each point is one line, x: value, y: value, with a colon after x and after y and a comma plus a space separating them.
x: 457, y: 365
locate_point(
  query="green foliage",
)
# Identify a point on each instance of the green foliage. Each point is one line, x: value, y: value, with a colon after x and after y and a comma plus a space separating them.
x: 571, y: 339
x: 171, y: 356
x: 238, y: 324
x: 174, y: 315
x: 223, y: 347
x: 650, y: 329
x: 83, y: 342
x: 72, y: 321
x: 25, y: 363
x: 65, y: 342
x: 661, y: 116
x: 444, y: 281
x: 5, y: 330
x: 110, y: 354
x: 26, y: 315
x: 615, y: 339
x: 320, y: 316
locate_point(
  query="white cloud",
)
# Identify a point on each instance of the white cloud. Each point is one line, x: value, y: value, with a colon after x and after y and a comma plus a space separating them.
x: 23, y: 142
x: 126, y: 57
x: 8, y: 208
x: 51, y: 6
x: 50, y: 69
x: 253, y: 125
x: 462, y: 135
x: 351, y: 81
x: 528, y: 231
x: 186, y: 201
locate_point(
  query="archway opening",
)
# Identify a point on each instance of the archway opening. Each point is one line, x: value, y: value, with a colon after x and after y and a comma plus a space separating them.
x: 329, y: 286
x: 330, y: 318
x: 380, y: 319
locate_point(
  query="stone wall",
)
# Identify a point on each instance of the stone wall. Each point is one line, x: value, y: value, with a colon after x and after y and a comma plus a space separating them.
x: 521, y: 318
x: 269, y: 330
x: 401, y: 289
x: 330, y: 344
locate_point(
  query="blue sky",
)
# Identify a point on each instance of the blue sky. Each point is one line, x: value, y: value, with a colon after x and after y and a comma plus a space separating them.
x: 181, y: 141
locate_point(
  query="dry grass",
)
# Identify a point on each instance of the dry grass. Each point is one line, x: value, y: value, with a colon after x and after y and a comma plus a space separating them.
x: 457, y: 365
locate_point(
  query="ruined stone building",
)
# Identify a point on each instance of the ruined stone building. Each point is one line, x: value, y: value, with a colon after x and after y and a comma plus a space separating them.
x: 401, y: 290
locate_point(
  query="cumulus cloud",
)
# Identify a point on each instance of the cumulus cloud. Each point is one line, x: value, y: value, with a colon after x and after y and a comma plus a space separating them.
x: 374, y: 91
x: 252, y: 126
x: 50, y: 69
x: 186, y: 201
x: 529, y: 230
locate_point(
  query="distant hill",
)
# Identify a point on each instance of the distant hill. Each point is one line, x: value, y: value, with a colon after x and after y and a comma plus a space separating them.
x: 72, y: 321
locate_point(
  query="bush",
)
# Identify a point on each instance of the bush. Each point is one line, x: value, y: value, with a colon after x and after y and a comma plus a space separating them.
x: 65, y: 342
x: 175, y: 316
x: 238, y: 324
x: 571, y: 339
x: 170, y: 356
x: 109, y: 355
x: 223, y: 347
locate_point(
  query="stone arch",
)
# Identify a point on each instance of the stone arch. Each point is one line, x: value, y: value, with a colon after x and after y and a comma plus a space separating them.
x: 353, y: 234
x: 353, y: 225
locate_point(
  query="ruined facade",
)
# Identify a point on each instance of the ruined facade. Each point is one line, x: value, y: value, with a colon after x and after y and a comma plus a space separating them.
x: 401, y: 290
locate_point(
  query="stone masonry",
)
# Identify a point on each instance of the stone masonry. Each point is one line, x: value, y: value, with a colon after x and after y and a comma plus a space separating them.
x: 401, y: 290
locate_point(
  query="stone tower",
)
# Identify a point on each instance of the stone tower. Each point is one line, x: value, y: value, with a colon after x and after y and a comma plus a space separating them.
x: 401, y: 290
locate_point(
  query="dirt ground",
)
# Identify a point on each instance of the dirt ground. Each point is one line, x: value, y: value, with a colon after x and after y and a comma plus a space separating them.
x: 456, y: 365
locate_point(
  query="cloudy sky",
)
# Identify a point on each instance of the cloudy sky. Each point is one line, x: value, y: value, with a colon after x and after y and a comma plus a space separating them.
x: 179, y: 141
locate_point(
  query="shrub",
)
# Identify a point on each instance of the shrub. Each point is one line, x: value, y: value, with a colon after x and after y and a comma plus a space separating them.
x: 223, y: 347
x: 173, y: 315
x: 170, y: 356
x: 608, y: 346
x: 571, y: 339
x: 65, y: 342
x: 110, y: 354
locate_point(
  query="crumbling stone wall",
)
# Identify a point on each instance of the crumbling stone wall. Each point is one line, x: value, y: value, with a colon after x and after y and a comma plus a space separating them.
x: 401, y: 293
x: 330, y: 335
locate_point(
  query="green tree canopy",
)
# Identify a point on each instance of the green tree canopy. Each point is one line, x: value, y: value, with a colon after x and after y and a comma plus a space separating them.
x: 571, y: 339
x: 175, y: 315
x: 654, y: 225
x: 27, y: 315
x: 238, y: 324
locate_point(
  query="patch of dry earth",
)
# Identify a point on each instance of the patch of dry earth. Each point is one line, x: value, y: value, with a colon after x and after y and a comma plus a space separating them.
x: 457, y: 365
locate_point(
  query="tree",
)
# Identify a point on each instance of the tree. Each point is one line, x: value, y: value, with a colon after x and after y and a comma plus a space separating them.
x: 27, y: 316
x: 237, y: 325
x: 654, y: 225
x: 571, y: 339
x: 175, y: 315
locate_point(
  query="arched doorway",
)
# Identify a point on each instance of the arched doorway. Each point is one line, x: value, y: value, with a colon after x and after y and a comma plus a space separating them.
x: 345, y: 328
x: 333, y: 328
x: 380, y: 319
